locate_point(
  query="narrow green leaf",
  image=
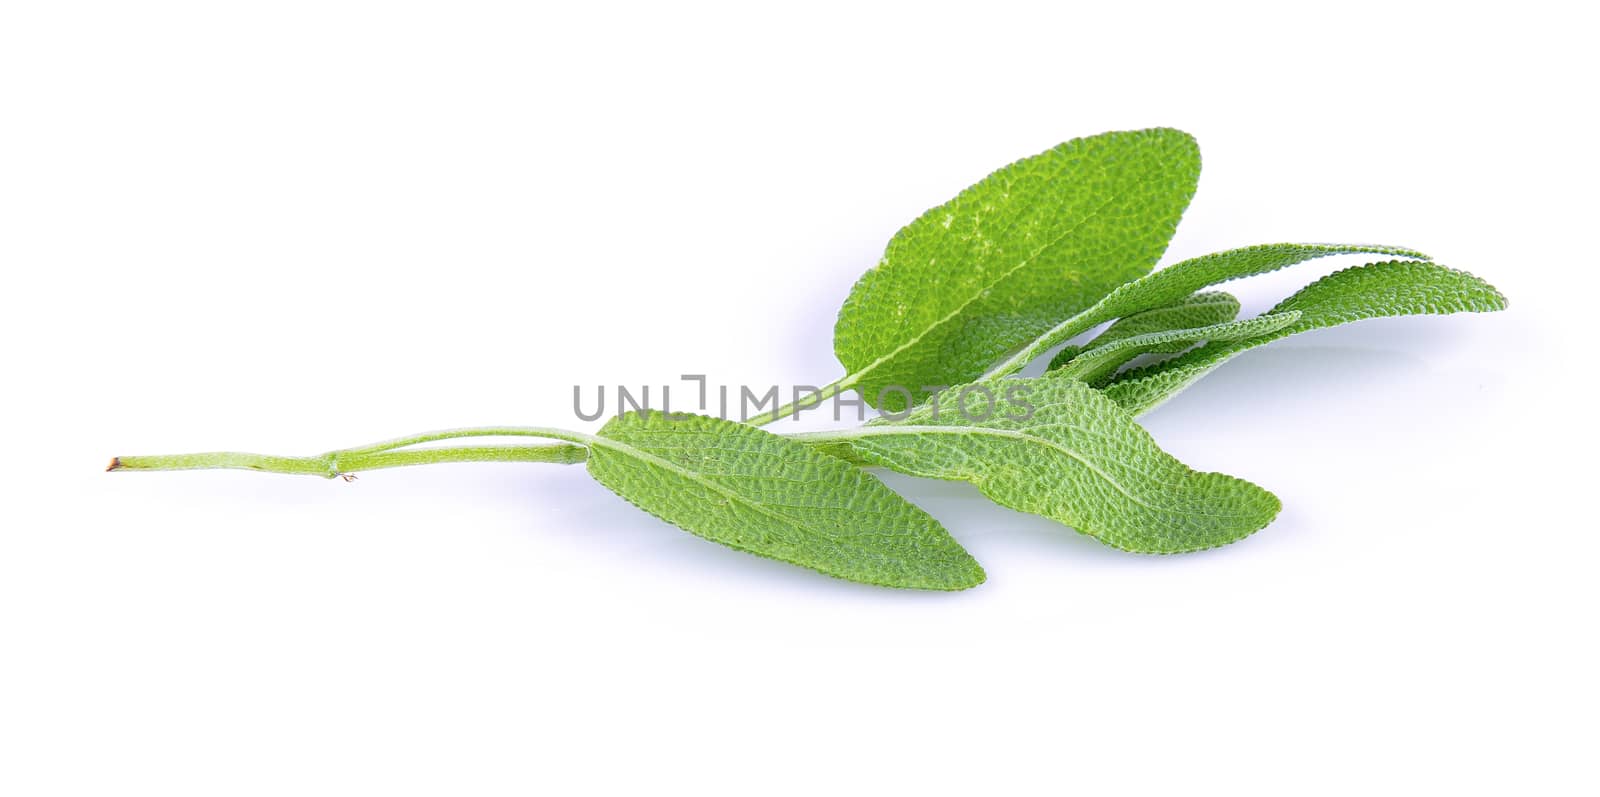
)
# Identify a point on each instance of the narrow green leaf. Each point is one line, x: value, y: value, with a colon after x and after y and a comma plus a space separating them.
x: 1101, y: 362
x: 1380, y: 289
x: 757, y: 492
x: 1181, y: 279
x: 1076, y: 457
x: 1029, y: 245
x: 1199, y: 310
x: 1174, y: 282
x: 1064, y: 356
x: 1145, y: 391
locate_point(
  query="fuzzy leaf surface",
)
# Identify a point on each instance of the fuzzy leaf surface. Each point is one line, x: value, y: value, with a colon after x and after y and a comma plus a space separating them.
x: 1392, y: 288
x: 1077, y: 458
x: 1029, y: 245
x: 1181, y: 279
x: 1173, y: 283
x: 1199, y: 310
x: 768, y: 495
x: 1098, y: 363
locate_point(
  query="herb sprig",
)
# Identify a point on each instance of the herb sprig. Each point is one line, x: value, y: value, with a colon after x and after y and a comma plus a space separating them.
x: 971, y: 292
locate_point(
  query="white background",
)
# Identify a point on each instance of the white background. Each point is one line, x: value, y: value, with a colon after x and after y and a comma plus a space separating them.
x: 298, y: 226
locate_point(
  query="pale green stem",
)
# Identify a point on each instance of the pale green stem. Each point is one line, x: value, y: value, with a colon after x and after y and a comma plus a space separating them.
x: 824, y: 394
x: 382, y: 455
x: 398, y: 453
x: 1060, y: 333
x: 476, y: 431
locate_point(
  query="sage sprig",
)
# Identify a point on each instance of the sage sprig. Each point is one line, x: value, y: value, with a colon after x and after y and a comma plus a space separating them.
x: 1014, y: 268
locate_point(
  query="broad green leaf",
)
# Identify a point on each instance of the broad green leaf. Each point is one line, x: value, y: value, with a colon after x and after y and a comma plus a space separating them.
x: 768, y: 495
x: 1029, y: 245
x: 1199, y: 310
x: 1076, y: 457
x: 1101, y: 362
x: 1173, y: 283
x: 1380, y: 289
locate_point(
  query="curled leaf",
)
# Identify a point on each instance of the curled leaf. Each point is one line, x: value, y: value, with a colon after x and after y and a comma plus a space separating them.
x: 1101, y: 362
x: 1391, y: 288
x: 1199, y: 310
x: 1173, y: 283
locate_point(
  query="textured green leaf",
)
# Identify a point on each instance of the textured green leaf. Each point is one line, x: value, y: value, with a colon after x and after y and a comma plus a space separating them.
x: 1381, y: 289
x: 1064, y: 356
x: 1173, y: 283
x: 768, y: 495
x: 1149, y: 389
x: 1077, y: 458
x: 1199, y: 310
x: 1181, y: 279
x: 1101, y: 362
x: 1029, y: 245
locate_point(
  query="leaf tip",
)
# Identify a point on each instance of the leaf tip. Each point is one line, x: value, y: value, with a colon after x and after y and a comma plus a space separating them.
x: 966, y: 579
x: 1497, y: 300
x: 975, y: 576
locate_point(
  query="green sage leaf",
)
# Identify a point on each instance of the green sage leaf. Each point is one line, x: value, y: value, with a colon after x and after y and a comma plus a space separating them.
x: 1061, y: 449
x: 1391, y: 288
x: 1101, y: 362
x: 1181, y: 279
x: 1199, y: 310
x: 1029, y: 245
x: 1172, y: 284
x: 757, y: 492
